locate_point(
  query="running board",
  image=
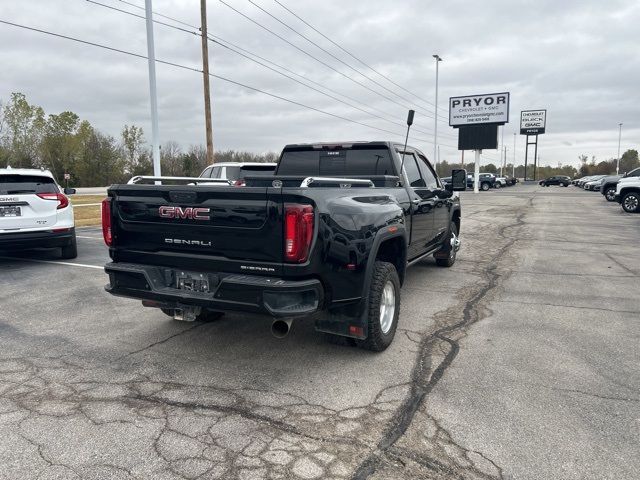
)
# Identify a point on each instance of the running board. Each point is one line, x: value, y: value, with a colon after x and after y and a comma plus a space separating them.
x: 417, y: 259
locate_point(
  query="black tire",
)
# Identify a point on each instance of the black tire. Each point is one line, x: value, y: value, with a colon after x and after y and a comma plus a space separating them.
x: 631, y: 202
x: 384, y: 274
x: 204, y: 316
x: 484, y: 186
x: 451, y: 259
x: 565, y: 184
x: 610, y: 194
x: 70, y: 251
x: 497, y: 185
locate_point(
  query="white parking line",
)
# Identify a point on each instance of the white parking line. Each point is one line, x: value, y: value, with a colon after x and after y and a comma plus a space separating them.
x: 86, y: 205
x: 83, y: 265
x: 92, y: 238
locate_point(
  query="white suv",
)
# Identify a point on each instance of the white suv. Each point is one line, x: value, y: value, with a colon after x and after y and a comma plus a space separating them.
x: 35, y: 213
x: 236, y: 171
x: 628, y: 194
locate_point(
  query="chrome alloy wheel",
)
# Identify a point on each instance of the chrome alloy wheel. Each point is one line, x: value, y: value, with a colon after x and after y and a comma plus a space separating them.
x: 387, y: 307
x: 455, y: 244
x: 610, y: 194
x: 630, y: 203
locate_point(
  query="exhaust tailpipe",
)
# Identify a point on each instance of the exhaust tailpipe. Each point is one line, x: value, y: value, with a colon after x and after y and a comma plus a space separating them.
x: 280, y: 327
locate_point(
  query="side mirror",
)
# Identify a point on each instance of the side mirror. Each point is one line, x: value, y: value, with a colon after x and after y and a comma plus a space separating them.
x: 69, y: 191
x: 458, y: 180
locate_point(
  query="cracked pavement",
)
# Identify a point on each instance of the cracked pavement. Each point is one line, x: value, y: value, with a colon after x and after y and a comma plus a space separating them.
x: 521, y: 361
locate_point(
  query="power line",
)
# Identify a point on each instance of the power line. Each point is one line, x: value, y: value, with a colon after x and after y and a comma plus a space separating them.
x: 184, y: 67
x: 349, y: 53
x: 431, y: 104
x: 316, y: 58
x: 181, y: 22
x: 327, y: 51
x: 226, y: 44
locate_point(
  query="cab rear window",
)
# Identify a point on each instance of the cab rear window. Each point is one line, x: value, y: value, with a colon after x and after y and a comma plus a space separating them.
x: 17, y: 184
x: 337, y: 162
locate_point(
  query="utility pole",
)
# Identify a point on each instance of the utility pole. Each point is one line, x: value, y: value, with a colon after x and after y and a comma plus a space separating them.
x: 151, y: 54
x: 619, y: 138
x: 435, y: 120
x: 205, y: 78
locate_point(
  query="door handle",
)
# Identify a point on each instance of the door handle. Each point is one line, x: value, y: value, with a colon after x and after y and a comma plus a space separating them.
x: 415, y: 202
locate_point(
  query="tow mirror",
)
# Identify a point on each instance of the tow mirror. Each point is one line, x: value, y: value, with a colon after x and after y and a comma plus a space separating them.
x: 459, y: 180
x: 69, y: 191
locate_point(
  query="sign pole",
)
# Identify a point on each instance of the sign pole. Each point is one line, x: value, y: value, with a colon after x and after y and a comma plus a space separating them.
x: 476, y: 169
x: 535, y: 159
x: 526, y: 157
x: 513, y: 165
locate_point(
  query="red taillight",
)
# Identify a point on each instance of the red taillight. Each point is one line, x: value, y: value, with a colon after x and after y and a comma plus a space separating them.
x: 63, y: 201
x: 106, y: 222
x: 298, y: 232
x: 240, y: 182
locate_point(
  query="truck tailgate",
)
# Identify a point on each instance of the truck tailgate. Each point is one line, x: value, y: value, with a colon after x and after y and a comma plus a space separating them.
x: 199, y: 227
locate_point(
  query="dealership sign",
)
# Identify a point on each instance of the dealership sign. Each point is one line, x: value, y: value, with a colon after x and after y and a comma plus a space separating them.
x: 491, y: 108
x: 533, y: 122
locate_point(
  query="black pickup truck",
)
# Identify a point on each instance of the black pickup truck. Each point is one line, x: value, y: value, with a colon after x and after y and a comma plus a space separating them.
x: 331, y: 233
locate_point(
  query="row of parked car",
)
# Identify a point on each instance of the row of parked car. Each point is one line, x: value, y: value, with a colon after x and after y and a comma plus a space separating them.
x: 487, y: 181
x: 624, y: 189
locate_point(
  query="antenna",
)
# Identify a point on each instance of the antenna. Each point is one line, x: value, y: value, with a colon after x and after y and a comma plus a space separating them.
x: 409, y: 123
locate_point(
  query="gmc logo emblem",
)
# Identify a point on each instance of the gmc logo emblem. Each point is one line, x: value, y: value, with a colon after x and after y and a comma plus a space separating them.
x: 189, y: 213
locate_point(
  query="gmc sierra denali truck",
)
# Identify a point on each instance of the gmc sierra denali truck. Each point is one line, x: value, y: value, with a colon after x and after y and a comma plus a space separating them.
x: 327, y: 238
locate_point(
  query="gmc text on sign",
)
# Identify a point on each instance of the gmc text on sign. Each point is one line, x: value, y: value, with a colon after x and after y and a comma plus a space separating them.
x: 533, y: 122
x: 478, y: 109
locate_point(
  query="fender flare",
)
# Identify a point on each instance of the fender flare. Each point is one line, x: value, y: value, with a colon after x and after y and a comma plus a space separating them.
x: 383, y: 235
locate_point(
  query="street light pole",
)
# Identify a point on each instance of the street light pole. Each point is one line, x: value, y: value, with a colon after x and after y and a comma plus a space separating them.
x: 155, y: 145
x: 619, y: 138
x: 435, y: 120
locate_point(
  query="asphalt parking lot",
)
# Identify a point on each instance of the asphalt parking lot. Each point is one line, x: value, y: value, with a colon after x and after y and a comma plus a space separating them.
x: 522, y: 361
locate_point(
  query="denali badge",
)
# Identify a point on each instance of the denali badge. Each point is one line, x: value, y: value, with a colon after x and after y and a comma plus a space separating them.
x: 191, y: 213
x: 180, y: 241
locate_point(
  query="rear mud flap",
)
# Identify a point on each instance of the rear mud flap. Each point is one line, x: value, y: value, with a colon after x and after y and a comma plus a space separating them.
x: 347, y: 321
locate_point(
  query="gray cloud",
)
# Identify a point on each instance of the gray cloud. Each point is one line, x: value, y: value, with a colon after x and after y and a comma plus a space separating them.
x: 578, y: 59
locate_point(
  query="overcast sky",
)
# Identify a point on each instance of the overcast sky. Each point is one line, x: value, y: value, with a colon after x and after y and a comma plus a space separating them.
x: 578, y: 59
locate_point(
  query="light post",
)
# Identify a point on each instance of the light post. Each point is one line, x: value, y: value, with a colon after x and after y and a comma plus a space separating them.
x: 155, y: 142
x: 435, y: 120
x: 619, y: 138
